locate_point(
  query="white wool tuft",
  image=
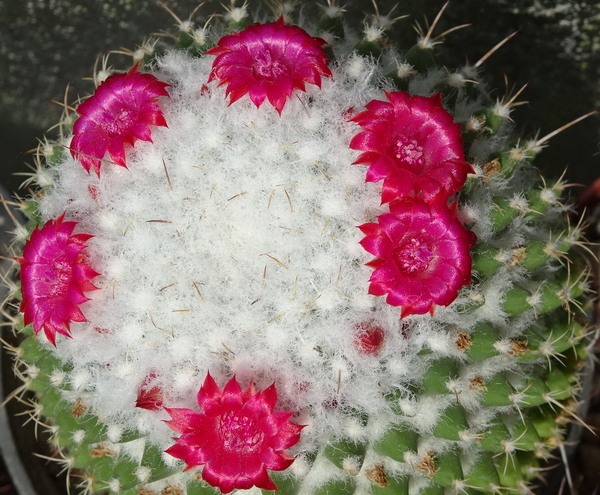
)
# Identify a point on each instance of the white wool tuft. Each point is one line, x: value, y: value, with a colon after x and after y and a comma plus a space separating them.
x: 114, y: 433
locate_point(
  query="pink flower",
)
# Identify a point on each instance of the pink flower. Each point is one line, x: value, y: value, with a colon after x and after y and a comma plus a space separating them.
x: 54, y: 277
x: 412, y: 144
x: 268, y: 61
x: 237, y: 436
x: 422, y: 255
x: 118, y: 114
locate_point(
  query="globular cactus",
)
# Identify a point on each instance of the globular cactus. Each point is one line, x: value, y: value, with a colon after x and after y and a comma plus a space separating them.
x: 289, y: 255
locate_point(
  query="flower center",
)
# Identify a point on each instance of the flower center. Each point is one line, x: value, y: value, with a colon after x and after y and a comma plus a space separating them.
x: 239, y: 432
x: 58, y: 276
x: 120, y: 124
x: 265, y: 66
x: 408, y: 152
x: 413, y: 256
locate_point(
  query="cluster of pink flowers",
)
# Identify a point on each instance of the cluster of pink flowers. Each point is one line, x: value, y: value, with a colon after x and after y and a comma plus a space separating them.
x: 54, y: 274
x: 422, y: 250
x: 237, y: 436
x: 265, y: 61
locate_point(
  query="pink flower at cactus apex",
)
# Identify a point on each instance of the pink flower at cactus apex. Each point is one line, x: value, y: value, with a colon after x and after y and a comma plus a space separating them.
x: 268, y: 61
x: 413, y: 145
x: 120, y: 112
x: 237, y: 436
x: 422, y: 255
x: 54, y: 277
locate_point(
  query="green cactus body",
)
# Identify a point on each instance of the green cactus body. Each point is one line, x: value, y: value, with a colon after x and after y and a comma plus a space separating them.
x: 477, y: 395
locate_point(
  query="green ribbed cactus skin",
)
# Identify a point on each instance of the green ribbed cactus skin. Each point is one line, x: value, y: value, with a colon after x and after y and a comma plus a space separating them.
x: 507, y: 393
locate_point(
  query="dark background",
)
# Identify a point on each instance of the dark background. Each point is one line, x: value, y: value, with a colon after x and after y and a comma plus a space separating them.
x: 47, y: 44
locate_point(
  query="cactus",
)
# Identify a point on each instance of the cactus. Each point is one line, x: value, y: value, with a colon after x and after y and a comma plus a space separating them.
x: 291, y: 256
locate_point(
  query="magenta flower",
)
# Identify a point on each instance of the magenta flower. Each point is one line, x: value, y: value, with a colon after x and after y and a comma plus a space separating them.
x: 54, y: 277
x: 237, y: 436
x: 118, y: 114
x: 422, y: 255
x: 268, y: 61
x: 413, y: 145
